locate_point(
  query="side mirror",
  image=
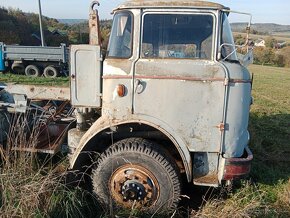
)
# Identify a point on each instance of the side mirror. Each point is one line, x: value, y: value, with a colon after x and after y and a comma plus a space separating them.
x: 246, y: 59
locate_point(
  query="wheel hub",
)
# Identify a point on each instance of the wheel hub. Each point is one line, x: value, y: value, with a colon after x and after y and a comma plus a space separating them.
x: 133, y: 190
x: 134, y: 185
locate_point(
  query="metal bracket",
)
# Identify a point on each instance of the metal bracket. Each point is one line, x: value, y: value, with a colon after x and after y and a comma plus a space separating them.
x: 221, y: 127
x: 226, y: 82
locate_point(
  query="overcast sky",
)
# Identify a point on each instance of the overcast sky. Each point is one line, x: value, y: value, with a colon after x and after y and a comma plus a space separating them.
x: 264, y: 11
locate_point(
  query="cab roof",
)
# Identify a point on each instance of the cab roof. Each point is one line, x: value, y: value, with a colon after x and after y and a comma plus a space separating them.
x: 129, y: 4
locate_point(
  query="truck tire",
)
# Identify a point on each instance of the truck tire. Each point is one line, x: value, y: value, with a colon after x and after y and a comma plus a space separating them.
x: 18, y: 68
x: 32, y: 71
x: 133, y: 171
x: 50, y: 72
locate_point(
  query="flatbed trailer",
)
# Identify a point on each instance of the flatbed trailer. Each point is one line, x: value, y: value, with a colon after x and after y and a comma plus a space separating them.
x: 42, y: 114
x: 34, y: 60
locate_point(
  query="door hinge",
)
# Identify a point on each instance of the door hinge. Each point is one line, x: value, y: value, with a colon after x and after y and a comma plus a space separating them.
x: 221, y: 127
x: 226, y: 82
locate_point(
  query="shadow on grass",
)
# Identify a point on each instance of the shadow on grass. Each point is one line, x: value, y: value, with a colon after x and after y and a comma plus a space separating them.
x: 270, y: 143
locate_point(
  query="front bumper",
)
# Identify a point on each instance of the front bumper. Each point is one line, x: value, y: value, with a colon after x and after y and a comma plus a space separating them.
x: 236, y: 168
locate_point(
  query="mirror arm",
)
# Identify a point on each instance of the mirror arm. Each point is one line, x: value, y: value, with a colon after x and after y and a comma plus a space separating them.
x: 248, y: 29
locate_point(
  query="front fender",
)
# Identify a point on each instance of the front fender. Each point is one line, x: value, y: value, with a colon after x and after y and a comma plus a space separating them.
x: 105, y: 122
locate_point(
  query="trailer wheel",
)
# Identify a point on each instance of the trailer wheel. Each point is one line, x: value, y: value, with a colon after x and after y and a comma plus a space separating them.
x: 50, y: 72
x: 32, y: 70
x: 133, y: 173
x: 17, y: 67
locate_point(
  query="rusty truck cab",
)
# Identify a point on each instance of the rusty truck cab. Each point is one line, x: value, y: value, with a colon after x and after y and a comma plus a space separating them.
x: 171, y: 76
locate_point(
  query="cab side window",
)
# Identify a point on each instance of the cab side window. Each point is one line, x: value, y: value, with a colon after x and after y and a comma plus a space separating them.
x: 177, y: 36
x: 120, y: 45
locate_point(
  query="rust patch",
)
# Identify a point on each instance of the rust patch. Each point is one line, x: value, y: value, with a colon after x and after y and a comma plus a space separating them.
x: 129, y: 185
x: 186, y: 78
x: 211, y: 178
x: 240, y: 81
x: 221, y: 127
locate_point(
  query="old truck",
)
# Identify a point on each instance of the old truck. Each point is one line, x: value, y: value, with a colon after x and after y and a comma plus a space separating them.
x: 169, y: 101
x: 34, y: 61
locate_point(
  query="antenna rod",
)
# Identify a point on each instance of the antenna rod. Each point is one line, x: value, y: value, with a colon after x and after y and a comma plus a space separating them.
x: 40, y: 25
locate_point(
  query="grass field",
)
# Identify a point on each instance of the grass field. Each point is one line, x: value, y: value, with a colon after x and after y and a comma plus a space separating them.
x: 282, y: 34
x: 278, y: 36
x: 22, y: 79
x: 265, y: 194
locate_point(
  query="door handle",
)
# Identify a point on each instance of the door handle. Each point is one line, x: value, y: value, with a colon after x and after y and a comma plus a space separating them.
x: 140, y: 86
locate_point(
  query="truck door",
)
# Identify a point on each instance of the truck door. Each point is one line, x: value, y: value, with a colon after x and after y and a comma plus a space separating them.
x: 177, y: 81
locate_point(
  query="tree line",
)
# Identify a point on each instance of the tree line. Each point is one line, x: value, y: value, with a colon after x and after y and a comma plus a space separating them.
x: 270, y: 54
x: 18, y: 27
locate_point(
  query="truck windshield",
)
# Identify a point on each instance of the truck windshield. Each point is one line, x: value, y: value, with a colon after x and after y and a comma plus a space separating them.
x: 177, y: 36
x: 120, y: 44
x: 228, y: 45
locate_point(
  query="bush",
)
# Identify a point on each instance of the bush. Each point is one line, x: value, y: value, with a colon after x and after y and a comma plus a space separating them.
x: 270, y: 42
x: 264, y: 56
x: 270, y: 56
x: 285, y: 52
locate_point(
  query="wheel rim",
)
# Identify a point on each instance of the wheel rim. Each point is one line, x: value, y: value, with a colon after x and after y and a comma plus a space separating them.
x: 32, y: 72
x: 133, y: 184
x: 50, y: 73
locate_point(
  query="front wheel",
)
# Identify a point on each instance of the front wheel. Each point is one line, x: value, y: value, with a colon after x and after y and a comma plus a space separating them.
x: 134, y: 173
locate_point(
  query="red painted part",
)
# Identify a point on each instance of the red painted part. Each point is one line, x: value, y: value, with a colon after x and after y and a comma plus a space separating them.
x: 236, y: 168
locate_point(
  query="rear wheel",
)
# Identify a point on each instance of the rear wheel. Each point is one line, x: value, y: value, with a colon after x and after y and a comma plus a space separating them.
x: 133, y: 173
x: 32, y: 70
x: 50, y: 72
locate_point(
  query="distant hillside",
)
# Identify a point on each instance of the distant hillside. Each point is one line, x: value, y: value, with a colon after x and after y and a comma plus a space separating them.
x: 266, y: 28
x: 72, y: 21
x: 18, y: 27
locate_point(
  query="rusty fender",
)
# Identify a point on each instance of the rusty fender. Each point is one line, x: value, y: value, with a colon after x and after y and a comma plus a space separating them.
x: 105, y: 122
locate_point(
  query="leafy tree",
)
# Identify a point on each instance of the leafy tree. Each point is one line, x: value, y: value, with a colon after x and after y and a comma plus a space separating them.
x: 285, y: 52
x: 279, y: 60
x: 270, y: 42
x: 239, y: 40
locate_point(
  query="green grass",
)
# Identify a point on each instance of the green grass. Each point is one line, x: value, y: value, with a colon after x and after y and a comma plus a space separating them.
x: 270, y: 130
x: 22, y: 79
